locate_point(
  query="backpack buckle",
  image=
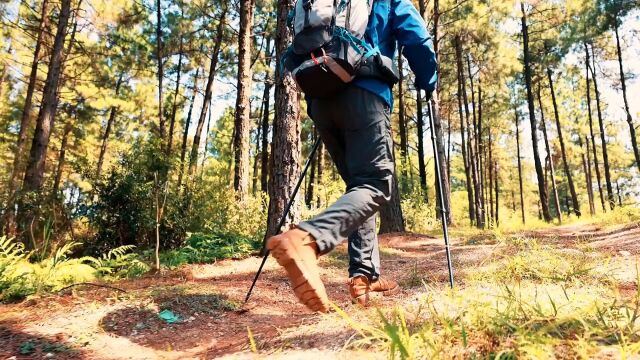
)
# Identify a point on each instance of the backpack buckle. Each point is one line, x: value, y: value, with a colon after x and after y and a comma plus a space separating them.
x: 307, y: 4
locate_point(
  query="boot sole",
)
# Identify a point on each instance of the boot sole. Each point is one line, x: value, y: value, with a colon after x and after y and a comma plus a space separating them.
x: 308, y: 287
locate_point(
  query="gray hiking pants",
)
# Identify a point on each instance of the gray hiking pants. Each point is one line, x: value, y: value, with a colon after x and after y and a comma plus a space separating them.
x: 355, y: 127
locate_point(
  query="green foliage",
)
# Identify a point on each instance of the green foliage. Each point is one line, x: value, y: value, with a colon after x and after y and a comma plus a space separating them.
x: 419, y: 216
x: 121, y: 262
x: 206, y: 248
x: 20, y: 278
x: 125, y: 210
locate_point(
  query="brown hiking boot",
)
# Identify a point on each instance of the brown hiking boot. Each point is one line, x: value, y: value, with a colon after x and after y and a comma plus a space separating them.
x: 297, y: 252
x: 362, y: 291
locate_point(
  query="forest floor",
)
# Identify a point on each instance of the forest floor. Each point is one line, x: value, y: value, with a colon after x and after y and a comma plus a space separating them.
x: 100, y: 323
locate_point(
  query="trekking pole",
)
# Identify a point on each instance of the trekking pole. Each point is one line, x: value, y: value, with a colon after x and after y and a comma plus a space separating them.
x: 284, y: 216
x: 443, y: 209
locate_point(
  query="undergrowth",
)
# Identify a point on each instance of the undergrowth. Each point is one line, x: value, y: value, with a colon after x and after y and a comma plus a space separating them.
x: 526, y: 301
x: 207, y: 248
x: 21, y: 276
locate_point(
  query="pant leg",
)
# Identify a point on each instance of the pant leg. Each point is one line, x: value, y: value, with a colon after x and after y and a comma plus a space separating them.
x: 364, y: 255
x: 364, y: 123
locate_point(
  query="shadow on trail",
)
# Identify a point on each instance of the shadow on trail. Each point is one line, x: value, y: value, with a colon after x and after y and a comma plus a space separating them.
x: 208, y: 323
x: 21, y: 345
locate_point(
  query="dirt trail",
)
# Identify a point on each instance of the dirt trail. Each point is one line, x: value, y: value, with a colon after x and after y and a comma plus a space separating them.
x: 96, y: 323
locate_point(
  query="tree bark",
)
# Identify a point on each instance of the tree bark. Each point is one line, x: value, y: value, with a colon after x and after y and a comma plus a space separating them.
x: 603, y: 139
x: 402, y: 125
x: 61, y: 158
x: 524, y: 220
x: 543, y: 125
x: 213, y: 67
x: 565, y: 162
x: 312, y: 177
x: 463, y: 144
x: 187, y: 123
x: 391, y: 218
x: 591, y: 133
x: 623, y: 83
x: 174, y: 106
x: 586, y: 166
x: 34, y: 175
x: 619, y: 193
x: 107, y: 130
x: 435, y: 114
x: 264, y: 155
x: 242, y: 115
x: 159, y: 49
x: 532, y: 118
x: 497, y: 189
x: 206, y: 141
x: 474, y: 156
x: 491, y: 175
x: 319, y: 177
x: 25, y: 124
x: 285, y: 152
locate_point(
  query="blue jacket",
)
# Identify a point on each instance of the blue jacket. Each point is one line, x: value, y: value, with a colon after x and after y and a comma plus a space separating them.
x: 398, y: 21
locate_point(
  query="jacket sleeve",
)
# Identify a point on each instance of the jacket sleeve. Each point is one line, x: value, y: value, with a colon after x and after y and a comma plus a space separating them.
x: 412, y: 34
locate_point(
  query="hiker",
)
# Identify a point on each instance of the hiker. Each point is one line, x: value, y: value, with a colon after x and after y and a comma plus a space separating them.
x: 354, y: 124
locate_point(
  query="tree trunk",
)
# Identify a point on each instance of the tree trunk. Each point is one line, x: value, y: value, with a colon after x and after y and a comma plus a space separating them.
x: 543, y: 125
x: 61, y: 158
x: 524, y: 220
x: 463, y: 144
x: 213, y: 67
x: 441, y: 155
x: 481, y: 153
x: 532, y: 118
x: 264, y: 158
x: 161, y: 124
x: 107, y: 129
x: 319, y: 177
x: 243, y: 107
x: 25, y: 124
x: 437, y: 120
x: 254, y: 178
x: 34, y: 176
x: 591, y: 133
x: 474, y: 156
x: 402, y: 125
x: 264, y: 155
x: 391, y: 218
x: 491, y: 187
x: 312, y: 176
x: 174, y: 106
x: 565, y: 162
x: 497, y: 189
x: 632, y: 129
x: 586, y: 166
x: 619, y: 193
x: 603, y: 139
x: 187, y: 123
x: 206, y: 141
x: 285, y: 152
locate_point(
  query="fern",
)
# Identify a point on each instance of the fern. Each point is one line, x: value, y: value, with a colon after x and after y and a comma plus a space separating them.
x: 19, y: 277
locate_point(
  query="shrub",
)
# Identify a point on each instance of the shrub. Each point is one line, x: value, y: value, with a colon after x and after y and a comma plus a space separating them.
x: 206, y: 248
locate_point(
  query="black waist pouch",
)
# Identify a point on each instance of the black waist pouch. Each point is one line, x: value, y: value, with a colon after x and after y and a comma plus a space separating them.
x: 380, y: 67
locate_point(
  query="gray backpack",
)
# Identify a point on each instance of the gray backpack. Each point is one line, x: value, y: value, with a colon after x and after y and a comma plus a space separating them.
x: 328, y: 44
